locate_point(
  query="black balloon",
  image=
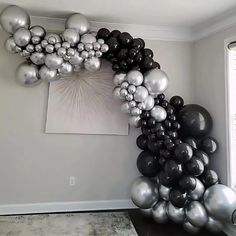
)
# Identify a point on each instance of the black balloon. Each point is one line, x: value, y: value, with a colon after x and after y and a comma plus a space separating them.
x: 126, y: 39
x: 133, y: 52
x: 176, y: 125
x: 137, y: 43
x: 141, y: 141
x: 177, y: 102
x: 167, y: 124
x: 166, y: 180
x: 187, y: 183
x: 147, y: 63
x: 147, y: 52
x: 115, y: 33
x: 195, y: 121
x: 103, y: 33
x: 195, y: 166
x: 192, y: 142
x: 154, y: 146
x: 173, y: 169
x: 209, y: 178
x: 113, y: 44
x: 161, y: 96
x: 178, y: 198
x: 156, y: 65
x: 115, y: 67
x: 183, y: 152
x: 209, y: 145
x: 202, y: 156
x: 147, y: 164
x: 123, y: 53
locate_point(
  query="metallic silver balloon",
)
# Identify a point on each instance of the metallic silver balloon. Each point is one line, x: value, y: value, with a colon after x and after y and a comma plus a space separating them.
x: 164, y: 192
x: 47, y: 74
x: 104, y: 48
x: 146, y: 212
x: 71, y: 36
x: 57, y: 46
x: 10, y: 45
x: 132, y: 89
x: 53, y: 35
x: 92, y: 64
x: 38, y: 58
x: 88, y: 47
x: 135, y: 121
x: 52, y: 40
x: 198, y: 192
x: 159, y: 212
x: 158, y: 113
x: 66, y: 69
x: 116, y: 93
x: 78, y: 22
x: 80, y: 47
x: 213, y: 225
x: 91, y: 53
x: 125, y: 85
x: 125, y: 107
x: 38, y: 48
x: 135, y: 111
x: 129, y: 97
x: 118, y: 78
x: 98, y: 53
x: 156, y: 81
x: 71, y: 52
x: 30, y: 48
x: 27, y: 74
x: 123, y: 92
x: 88, y: 38
x: 44, y: 43
x: 190, y: 228
x: 196, y: 214
x: 61, y: 52
x: 132, y: 104
x: 37, y: 30
x: 148, y: 103
x: 36, y: 39
x: 220, y: 202
x: 84, y: 54
x: 101, y: 41
x: 140, y: 94
x: 77, y: 68
x: 18, y: 49
x: 76, y: 59
x: 65, y: 45
x: 22, y: 37
x: 49, y: 48
x: 53, y: 61
x: 135, y: 77
x: 175, y: 214
x: 144, y: 192
x: 13, y: 18
x: 96, y: 46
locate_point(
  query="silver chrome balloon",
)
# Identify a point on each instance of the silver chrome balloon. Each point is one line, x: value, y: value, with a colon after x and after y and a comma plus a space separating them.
x: 118, y: 78
x: 53, y: 35
x: 196, y: 214
x: 144, y: 192
x: 88, y: 38
x: 10, y: 45
x: 61, y: 52
x: 36, y: 39
x: 213, y: 225
x: 91, y: 53
x: 125, y: 107
x: 158, y: 113
x: 101, y: 41
x: 65, y: 69
x: 116, y: 93
x: 175, y: 214
x: 76, y: 59
x: 65, y: 45
x: 38, y: 48
x: 132, y: 104
x: 135, y: 121
x: 164, y: 192
x: 220, y: 202
x: 135, y: 77
x: 123, y: 92
x: 30, y: 48
x: 135, y: 111
x: 98, y: 53
x: 13, y: 18
x: 52, y: 40
x: 38, y: 58
x: 104, y: 48
x: 132, y: 89
x: 198, y: 192
x: 53, y: 61
x: 190, y: 228
x: 146, y: 212
x: 22, y: 37
x: 148, y: 103
x: 57, y: 46
x: 156, y: 81
x: 48, y: 75
x: 80, y: 47
x: 71, y: 36
x: 84, y: 54
x: 159, y: 212
x: 78, y: 22
x: 25, y: 53
x: 70, y: 52
x: 18, y: 49
x: 44, y: 43
x: 37, y: 30
x: 125, y: 85
x: 27, y: 74
x: 77, y: 68
x: 129, y: 97
x: 140, y: 94
x: 96, y: 46
x: 49, y: 48
x: 88, y: 47
x: 92, y: 64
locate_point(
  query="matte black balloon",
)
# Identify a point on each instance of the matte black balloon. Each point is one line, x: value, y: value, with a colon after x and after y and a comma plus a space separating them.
x: 113, y: 44
x: 147, y: 164
x: 141, y: 142
x: 166, y: 180
x: 136, y: 67
x: 161, y: 161
x: 143, y: 42
x: 161, y: 96
x: 195, y: 121
x: 126, y: 39
x: 209, y: 145
x: 157, y: 101
x: 209, y: 178
x: 178, y: 198
x: 160, y: 134
x: 173, y: 169
x: 147, y: 52
x: 103, y: 33
x: 114, y: 60
x: 177, y: 102
x: 147, y: 63
x: 192, y: 142
x: 202, y: 156
x: 137, y: 43
x: 183, y: 152
x: 187, y: 183
x: 145, y: 130
x: 115, y: 33
x: 195, y: 166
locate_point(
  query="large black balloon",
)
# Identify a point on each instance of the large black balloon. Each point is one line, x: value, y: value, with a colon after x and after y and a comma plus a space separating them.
x: 183, y: 152
x: 147, y: 164
x: 209, y: 145
x: 173, y: 169
x: 137, y: 43
x: 141, y: 141
x: 178, y: 198
x: 103, y: 33
x: 195, y: 166
x: 177, y: 102
x: 195, y: 121
x: 209, y: 178
x: 187, y: 183
x: 202, y: 156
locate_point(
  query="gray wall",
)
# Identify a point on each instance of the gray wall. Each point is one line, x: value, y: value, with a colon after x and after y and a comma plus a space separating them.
x: 35, y: 167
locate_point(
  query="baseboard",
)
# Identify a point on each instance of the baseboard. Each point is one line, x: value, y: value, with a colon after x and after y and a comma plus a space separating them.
x: 52, y: 207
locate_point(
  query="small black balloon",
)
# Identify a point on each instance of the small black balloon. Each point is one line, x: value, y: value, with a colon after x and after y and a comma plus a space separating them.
x: 153, y: 146
x: 151, y: 122
x: 137, y: 43
x: 139, y: 57
x: 173, y: 169
x: 164, y: 103
x: 130, y: 61
x: 147, y: 164
x: 170, y: 110
x: 209, y: 178
x: 167, y: 124
x: 202, y: 156
x: 115, y: 33
x: 152, y: 137
x: 177, y: 102
x: 113, y: 44
x: 170, y: 146
x: 147, y: 52
x: 192, y: 142
x: 126, y: 39
x: 176, y: 125
x: 145, y: 115
x: 141, y: 141
x: 123, y: 65
x: 165, y: 179
x: 208, y: 145
x: 195, y: 166
x: 183, y: 152
x: 172, y: 118
x: 173, y: 134
x: 178, y: 198
x: 145, y: 130
x: 147, y: 63
x: 161, y: 161
x: 165, y: 153
x: 187, y: 183
x: 156, y: 65
x: 115, y: 67
x: 161, y: 96
x: 123, y: 53
x: 103, y: 33
x: 133, y: 52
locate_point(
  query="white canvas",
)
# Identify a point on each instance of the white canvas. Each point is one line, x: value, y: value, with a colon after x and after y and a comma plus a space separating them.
x: 83, y: 104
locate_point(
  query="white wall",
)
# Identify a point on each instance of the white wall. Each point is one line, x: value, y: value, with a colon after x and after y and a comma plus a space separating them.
x: 209, y: 67
x: 35, y: 167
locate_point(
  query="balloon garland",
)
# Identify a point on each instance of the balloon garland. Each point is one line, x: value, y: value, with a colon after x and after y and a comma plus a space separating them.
x: 177, y: 182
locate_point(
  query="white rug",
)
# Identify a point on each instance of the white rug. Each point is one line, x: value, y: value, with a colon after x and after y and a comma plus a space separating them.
x: 74, y: 224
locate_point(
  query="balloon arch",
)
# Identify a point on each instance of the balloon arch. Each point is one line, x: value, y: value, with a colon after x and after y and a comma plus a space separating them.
x: 177, y: 182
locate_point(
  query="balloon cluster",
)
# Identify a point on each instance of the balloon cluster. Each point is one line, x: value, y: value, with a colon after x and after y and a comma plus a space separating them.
x: 177, y: 181
x: 51, y: 56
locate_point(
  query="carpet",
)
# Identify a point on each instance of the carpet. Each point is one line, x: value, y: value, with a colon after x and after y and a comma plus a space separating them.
x: 73, y: 224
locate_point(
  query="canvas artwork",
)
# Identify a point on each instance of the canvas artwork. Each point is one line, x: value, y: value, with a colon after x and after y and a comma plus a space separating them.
x: 84, y: 104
